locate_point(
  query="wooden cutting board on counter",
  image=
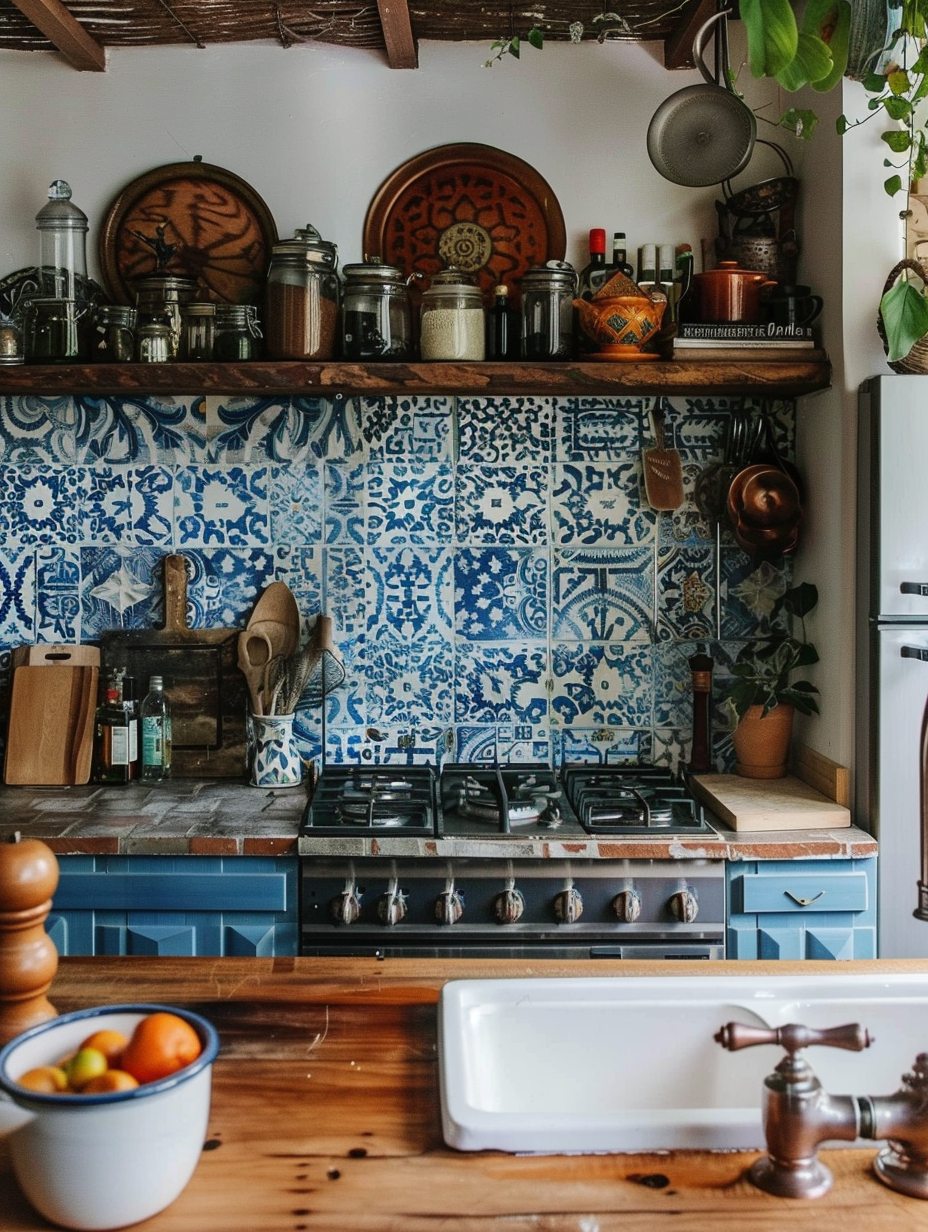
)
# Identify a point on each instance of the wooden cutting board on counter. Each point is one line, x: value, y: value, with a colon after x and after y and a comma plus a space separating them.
x: 50, y: 735
x: 768, y: 804
x: 202, y: 681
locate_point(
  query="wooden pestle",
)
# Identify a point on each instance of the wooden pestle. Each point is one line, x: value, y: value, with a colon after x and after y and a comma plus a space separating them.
x: 28, y: 958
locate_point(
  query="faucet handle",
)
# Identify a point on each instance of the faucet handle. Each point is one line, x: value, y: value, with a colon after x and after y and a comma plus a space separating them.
x: 794, y: 1036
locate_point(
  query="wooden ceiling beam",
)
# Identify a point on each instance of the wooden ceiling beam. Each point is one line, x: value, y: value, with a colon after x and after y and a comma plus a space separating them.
x: 397, y: 33
x: 678, y: 46
x: 65, y: 33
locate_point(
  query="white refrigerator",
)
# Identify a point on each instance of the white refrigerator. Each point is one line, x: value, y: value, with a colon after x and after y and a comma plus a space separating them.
x: 892, y: 652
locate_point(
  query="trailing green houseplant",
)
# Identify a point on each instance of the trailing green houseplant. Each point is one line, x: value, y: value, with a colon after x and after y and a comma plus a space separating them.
x: 763, y: 676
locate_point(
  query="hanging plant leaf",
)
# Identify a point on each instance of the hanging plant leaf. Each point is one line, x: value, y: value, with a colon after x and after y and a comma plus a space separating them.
x: 772, y: 34
x: 830, y: 20
x: 800, y: 122
x: 811, y: 62
x: 904, y: 310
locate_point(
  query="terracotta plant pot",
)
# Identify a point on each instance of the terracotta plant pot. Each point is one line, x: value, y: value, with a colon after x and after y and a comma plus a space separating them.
x: 762, y: 744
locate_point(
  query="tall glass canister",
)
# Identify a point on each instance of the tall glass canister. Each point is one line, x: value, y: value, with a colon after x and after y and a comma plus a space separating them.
x: 547, y: 311
x: 452, y: 324
x: 302, y: 298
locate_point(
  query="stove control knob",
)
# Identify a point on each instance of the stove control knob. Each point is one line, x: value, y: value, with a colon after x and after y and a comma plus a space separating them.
x: 346, y: 907
x: 449, y: 906
x: 509, y: 906
x: 627, y: 905
x: 568, y: 905
x: 391, y: 907
x: 684, y: 905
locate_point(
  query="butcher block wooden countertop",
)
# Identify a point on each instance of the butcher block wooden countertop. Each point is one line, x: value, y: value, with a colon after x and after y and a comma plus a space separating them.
x: 325, y: 1114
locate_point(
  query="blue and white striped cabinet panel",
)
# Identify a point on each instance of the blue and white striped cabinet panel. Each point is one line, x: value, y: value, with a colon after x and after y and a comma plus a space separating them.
x: 176, y: 905
x: 797, y: 909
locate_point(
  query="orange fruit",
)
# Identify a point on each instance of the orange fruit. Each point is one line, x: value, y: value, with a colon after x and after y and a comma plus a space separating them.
x: 160, y: 1045
x: 109, y: 1042
x: 111, y: 1080
x: 49, y: 1079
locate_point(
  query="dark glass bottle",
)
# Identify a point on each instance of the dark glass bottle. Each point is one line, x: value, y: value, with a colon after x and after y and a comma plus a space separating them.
x: 620, y: 263
x: 111, y: 741
x: 503, y: 327
x: 595, y: 272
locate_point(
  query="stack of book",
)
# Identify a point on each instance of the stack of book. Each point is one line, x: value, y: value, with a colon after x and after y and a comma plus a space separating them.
x: 744, y: 343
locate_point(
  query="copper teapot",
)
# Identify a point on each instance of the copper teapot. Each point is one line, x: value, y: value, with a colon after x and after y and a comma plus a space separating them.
x: 728, y: 293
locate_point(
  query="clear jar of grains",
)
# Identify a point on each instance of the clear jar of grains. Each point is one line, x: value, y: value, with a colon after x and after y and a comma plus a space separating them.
x: 452, y: 324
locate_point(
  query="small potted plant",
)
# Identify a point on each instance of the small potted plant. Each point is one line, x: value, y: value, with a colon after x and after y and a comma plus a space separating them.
x: 763, y: 697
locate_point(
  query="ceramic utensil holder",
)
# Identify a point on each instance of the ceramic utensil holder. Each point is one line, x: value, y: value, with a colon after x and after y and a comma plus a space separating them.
x: 276, y: 762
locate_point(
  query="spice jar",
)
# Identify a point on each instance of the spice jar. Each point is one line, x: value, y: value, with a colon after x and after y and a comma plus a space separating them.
x: 11, y: 342
x: 113, y: 338
x: 238, y: 334
x: 301, y: 313
x: 376, y: 315
x: 198, y: 323
x: 161, y: 298
x: 452, y: 323
x: 547, y: 311
x: 56, y: 331
x: 155, y: 343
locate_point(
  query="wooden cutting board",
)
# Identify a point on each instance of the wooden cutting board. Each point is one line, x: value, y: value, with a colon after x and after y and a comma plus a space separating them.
x: 202, y: 681
x: 50, y: 735
x: 768, y: 804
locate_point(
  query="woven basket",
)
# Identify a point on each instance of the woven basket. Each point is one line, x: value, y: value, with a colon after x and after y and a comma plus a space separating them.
x: 916, y: 362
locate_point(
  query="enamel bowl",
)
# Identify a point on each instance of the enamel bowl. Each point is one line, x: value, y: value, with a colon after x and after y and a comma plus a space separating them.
x: 104, y: 1161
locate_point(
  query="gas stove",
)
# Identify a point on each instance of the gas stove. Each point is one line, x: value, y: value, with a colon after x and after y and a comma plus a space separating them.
x: 473, y: 801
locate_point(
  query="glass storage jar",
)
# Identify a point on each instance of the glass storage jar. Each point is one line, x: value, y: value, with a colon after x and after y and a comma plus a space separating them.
x: 11, y: 341
x: 155, y: 343
x: 376, y: 314
x: 113, y: 338
x: 238, y: 333
x: 161, y: 298
x: 197, y: 330
x: 302, y: 297
x: 452, y: 322
x: 56, y: 331
x: 62, y: 231
x: 548, y: 311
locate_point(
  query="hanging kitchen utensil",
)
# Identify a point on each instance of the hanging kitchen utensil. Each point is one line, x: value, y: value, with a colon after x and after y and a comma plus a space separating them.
x: 663, y: 468
x: 254, y: 653
x: 764, y: 503
x: 277, y: 616
x: 703, y: 134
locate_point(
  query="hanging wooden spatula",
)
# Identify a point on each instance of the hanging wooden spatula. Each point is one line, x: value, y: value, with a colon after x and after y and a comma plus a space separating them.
x: 663, y: 468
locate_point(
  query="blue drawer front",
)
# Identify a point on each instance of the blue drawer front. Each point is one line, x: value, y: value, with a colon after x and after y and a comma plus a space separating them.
x: 172, y: 892
x: 801, y: 892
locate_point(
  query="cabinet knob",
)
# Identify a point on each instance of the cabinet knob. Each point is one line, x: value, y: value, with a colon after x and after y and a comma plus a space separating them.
x: 508, y: 906
x: 627, y: 905
x: 684, y: 905
x: 346, y: 907
x: 449, y: 906
x: 568, y: 905
x: 391, y: 907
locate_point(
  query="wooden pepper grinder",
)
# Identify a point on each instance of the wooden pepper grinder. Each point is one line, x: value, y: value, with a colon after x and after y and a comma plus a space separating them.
x: 701, y: 753
x: 28, y: 958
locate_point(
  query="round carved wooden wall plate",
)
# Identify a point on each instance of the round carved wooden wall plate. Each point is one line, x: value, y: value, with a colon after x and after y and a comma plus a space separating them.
x: 467, y: 205
x: 189, y: 220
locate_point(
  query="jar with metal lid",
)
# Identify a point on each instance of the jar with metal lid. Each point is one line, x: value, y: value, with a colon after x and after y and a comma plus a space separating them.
x: 155, y: 343
x: 56, y: 331
x: 238, y: 333
x: 376, y: 314
x: 302, y: 297
x: 113, y: 337
x: 547, y: 311
x: 11, y: 341
x: 452, y: 323
x: 198, y: 325
x: 161, y: 298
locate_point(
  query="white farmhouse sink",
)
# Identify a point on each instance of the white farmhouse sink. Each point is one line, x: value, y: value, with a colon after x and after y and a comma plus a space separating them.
x: 630, y: 1064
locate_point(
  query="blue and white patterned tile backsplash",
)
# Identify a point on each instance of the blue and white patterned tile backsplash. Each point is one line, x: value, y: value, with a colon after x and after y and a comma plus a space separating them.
x: 499, y: 587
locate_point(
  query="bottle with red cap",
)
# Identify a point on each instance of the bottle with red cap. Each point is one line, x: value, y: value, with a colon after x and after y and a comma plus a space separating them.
x: 595, y: 272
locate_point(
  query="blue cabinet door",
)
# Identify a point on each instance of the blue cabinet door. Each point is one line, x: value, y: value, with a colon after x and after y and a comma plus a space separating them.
x: 796, y: 909
x: 176, y: 905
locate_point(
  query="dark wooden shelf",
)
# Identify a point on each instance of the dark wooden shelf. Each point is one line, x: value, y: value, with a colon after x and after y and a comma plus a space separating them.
x: 270, y: 377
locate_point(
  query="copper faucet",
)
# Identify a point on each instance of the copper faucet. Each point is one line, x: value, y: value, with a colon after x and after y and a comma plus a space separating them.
x: 799, y: 1115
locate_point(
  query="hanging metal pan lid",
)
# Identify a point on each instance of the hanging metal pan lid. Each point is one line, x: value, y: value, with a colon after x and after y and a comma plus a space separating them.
x: 703, y: 134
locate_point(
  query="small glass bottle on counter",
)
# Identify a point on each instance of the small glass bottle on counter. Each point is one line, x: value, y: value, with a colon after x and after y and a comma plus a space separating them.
x: 503, y: 340
x: 452, y: 324
x: 113, y: 336
x: 156, y: 733
x: 111, y: 752
x: 376, y: 315
x: 302, y: 298
x: 548, y: 311
x: 238, y: 333
x: 197, y: 332
x: 155, y: 343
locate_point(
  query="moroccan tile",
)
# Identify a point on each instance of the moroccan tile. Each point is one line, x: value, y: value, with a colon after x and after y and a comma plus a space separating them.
x: 597, y: 429
x: 501, y: 684
x: 164, y: 430
x: 345, y: 504
x: 495, y: 430
x: 749, y: 591
x: 409, y: 681
x: 104, y: 510
x: 410, y: 502
x: 409, y: 746
x: 17, y: 595
x: 600, y: 746
x: 396, y: 427
x: 604, y: 685
x: 248, y: 430
x: 601, y: 503
x: 344, y: 596
x: 39, y: 504
x: 121, y: 588
x: 503, y: 744
x: 671, y: 748
x: 215, y: 507
x: 346, y: 703
x: 57, y: 595
x: 223, y: 585
x: 410, y: 593
x: 685, y: 594
x: 36, y: 429
x: 302, y: 570
x: 502, y: 504
x: 603, y: 594
x: 295, y: 503
x: 500, y: 594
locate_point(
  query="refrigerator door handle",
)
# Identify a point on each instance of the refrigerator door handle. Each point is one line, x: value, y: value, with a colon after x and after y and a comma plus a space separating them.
x: 915, y: 652
x: 914, y: 588
x: 921, y: 911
